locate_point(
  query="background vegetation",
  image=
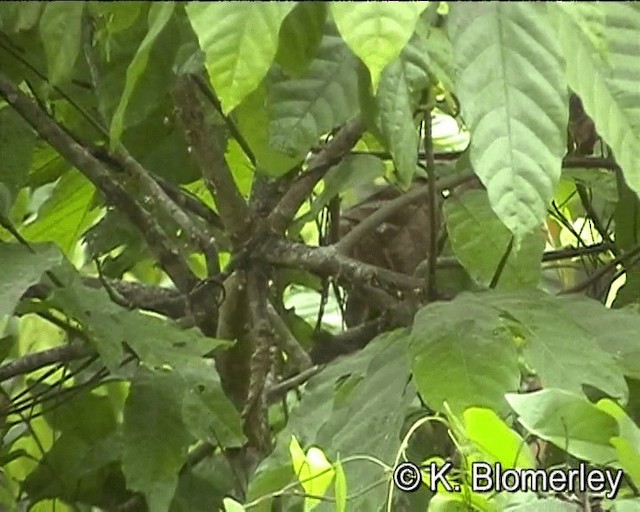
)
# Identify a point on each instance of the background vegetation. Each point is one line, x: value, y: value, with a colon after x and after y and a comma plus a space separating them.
x: 255, y: 255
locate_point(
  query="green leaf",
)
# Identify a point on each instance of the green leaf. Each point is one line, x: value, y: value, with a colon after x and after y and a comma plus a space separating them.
x: 19, y: 16
x: 21, y: 268
x: 479, y: 240
x: 397, y: 96
x: 231, y: 505
x: 463, y: 354
x: 563, y: 353
x: 514, y: 99
x: 487, y: 431
x: 240, y: 43
x: 159, y: 16
x: 61, y: 33
x: 207, y: 412
x: 300, y: 36
x: 17, y: 144
x: 66, y: 214
x: 325, y: 96
x: 569, y: 421
x: 627, y: 444
x: 152, y: 458
x: 376, y: 31
x: 252, y: 119
x: 340, y: 487
x: 608, y: 89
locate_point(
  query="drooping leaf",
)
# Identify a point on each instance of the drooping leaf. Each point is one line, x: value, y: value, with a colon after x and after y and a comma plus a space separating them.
x: 564, y: 353
x: 463, y: 354
x: 376, y: 31
x: 61, y: 33
x: 479, y: 240
x: 514, y: 100
x: 304, y: 108
x: 401, y: 84
x: 569, y: 421
x: 240, y: 43
x: 152, y: 458
x: 159, y: 15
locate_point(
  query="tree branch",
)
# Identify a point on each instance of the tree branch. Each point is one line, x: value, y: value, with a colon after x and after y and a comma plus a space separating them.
x: 80, y: 157
x: 319, y: 164
x: 326, y: 261
x: 369, y: 224
x: 209, y: 154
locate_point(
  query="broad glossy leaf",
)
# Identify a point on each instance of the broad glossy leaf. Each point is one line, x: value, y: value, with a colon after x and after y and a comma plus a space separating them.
x: 152, y: 459
x: 479, y: 240
x: 564, y: 353
x: 376, y: 31
x: 159, y: 15
x: 514, y: 99
x: 61, y: 33
x: 240, y: 42
x: 17, y: 143
x: 304, y: 108
x: 569, y: 421
x: 463, y: 354
x: 20, y: 269
x: 608, y: 88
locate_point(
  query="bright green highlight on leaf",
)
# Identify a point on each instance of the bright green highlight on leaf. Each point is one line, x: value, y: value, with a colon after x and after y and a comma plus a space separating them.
x: 376, y: 31
x: 240, y: 41
x: 313, y: 470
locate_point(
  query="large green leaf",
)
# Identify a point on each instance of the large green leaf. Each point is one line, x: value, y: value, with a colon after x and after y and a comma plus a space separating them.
x: 627, y: 236
x: 608, y: 87
x: 463, y: 354
x: 155, y: 438
x: 356, y: 405
x: 514, y: 98
x: 240, y: 42
x: 368, y: 415
x: 479, y: 240
x: 61, y: 33
x: 616, y: 331
x: 376, y: 31
x: 326, y: 95
x: 17, y: 143
x: 159, y: 16
x: 564, y: 353
x: 20, y: 269
x: 569, y: 421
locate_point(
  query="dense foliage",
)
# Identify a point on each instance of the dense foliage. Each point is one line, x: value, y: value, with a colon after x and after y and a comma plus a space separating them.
x: 253, y: 256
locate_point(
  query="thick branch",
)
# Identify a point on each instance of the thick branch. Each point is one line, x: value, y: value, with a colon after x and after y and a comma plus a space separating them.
x: 332, y: 153
x: 209, y: 154
x: 327, y: 262
x: 287, y: 341
x: 346, y: 244
x: 90, y: 166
